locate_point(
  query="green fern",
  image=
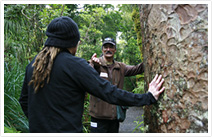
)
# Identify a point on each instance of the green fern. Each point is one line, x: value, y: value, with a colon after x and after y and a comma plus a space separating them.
x: 10, y: 130
x: 13, y: 78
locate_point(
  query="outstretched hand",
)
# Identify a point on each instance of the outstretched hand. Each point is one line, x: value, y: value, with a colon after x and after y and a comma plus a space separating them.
x: 155, y: 86
x: 95, y: 60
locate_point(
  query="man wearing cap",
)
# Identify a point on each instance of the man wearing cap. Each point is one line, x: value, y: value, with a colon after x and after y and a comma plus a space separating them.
x: 104, y: 115
x: 56, y: 81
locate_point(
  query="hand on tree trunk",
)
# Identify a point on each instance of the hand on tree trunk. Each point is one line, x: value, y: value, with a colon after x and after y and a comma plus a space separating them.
x: 155, y: 86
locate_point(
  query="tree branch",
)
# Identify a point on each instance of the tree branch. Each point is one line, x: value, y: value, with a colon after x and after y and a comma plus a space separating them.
x: 62, y: 10
x: 22, y: 11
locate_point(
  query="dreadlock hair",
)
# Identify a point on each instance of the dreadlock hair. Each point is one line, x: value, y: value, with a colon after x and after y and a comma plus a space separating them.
x: 43, y: 66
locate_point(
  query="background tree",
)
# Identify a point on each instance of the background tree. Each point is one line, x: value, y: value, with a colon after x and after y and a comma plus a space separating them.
x: 24, y: 33
x: 130, y: 53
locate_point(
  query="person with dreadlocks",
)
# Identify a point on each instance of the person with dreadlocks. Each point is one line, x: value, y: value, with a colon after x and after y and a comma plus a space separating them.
x: 55, y: 83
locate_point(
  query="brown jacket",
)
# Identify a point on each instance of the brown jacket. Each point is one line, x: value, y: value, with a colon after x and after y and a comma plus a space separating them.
x: 115, y: 74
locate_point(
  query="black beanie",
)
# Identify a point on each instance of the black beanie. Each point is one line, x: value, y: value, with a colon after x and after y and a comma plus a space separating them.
x: 62, y: 32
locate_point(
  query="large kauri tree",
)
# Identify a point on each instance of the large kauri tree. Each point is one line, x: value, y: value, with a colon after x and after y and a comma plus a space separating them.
x: 175, y: 44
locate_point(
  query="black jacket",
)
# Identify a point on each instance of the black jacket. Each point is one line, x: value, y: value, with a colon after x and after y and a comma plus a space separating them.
x: 58, y: 106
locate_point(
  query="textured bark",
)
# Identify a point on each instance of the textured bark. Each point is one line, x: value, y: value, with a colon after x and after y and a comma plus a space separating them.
x: 175, y: 44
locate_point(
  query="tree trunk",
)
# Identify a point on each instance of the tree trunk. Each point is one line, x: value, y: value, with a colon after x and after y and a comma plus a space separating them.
x: 175, y: 44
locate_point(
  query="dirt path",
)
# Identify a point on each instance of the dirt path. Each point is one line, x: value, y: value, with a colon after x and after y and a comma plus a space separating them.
x: 133, y: 114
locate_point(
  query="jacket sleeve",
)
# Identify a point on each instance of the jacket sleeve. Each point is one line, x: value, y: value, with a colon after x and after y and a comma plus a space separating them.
x: 133, y: 70
x: 95, y: 66
x: 90, y: 81
x: 23, y: 100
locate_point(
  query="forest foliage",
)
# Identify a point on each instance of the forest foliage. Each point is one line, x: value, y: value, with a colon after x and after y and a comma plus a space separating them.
x: 24, y: 37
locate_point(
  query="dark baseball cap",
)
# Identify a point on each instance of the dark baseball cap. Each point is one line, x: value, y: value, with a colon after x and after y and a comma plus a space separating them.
x: 110, y: 41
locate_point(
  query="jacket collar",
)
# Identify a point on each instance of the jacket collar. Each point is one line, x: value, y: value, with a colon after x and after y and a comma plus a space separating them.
x: 115, y: 63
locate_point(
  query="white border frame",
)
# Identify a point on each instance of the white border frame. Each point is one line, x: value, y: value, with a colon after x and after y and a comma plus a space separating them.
x: 102, y: 2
